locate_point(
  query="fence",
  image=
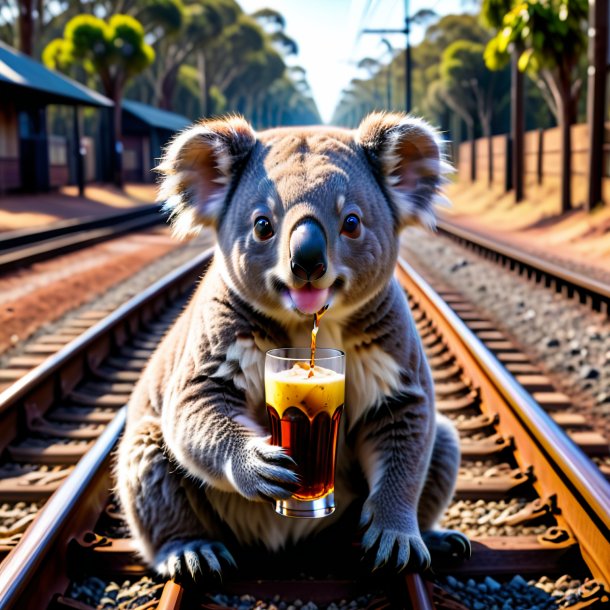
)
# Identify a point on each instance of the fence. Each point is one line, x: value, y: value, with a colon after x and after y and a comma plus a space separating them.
x: 541, y: 160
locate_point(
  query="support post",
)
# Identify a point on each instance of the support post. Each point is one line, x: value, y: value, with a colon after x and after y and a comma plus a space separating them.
x: 540, y: 157
x: 517, y: 128
x: 599, y: 58
x: 78, y: 154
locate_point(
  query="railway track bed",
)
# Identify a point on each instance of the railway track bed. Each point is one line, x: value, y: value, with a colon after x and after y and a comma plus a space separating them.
x: 535, y: 506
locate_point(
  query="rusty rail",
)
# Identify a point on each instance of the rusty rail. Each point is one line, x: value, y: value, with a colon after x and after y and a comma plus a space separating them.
x: 73, y: 508
x: 80, y: 499
x: 561, y: 467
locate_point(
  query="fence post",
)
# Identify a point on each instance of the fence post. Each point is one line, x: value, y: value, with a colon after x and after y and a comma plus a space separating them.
x: 508, y: 164
x: 540, y: 153
x: 473, y: 160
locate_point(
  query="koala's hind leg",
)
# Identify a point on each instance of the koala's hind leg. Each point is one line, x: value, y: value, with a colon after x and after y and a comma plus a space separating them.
x: 437, y: 493
x: 167, y: 532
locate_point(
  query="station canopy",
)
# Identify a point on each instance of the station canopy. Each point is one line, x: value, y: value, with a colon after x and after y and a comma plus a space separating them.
x: 155, y: 117
x: 22, y: 73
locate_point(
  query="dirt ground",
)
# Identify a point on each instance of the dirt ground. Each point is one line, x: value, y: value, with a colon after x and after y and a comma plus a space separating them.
x: 29, y: 298
x: 24, y: 211
x: 43, y: 292
x: 534, y: 224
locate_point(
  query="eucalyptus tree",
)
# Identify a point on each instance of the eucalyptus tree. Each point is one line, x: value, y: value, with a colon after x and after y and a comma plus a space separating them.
x: 549, y: 38
x: 114, y: 51
x: 471, y: 86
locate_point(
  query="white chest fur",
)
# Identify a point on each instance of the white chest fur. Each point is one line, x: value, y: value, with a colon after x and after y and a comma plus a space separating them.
x: 371, y: 373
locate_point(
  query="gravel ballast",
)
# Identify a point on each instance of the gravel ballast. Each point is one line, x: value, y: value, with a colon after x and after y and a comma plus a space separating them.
x: 567, y: 340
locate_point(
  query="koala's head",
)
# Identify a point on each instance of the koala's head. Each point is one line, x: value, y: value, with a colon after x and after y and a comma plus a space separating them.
x: 304, y: 216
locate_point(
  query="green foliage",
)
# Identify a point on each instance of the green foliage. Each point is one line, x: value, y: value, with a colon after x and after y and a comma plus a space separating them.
x: 101, y: 47
x: 271, y: 18
x: 545, y: 34
x: 493, y: 11
x: 169, y: 15
x: 190, y: 56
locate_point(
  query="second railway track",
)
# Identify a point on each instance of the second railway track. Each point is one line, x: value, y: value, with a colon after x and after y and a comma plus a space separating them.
x: 536, y: 507
x: 578, y: 283
x: 24, y: 247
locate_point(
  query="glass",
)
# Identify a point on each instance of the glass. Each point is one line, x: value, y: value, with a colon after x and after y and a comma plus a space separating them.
x: 304, y: 415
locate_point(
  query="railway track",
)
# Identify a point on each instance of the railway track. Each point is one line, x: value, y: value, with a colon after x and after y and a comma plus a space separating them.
x: 536, y: 506
x: 571, y: 282
x: 24, y: 247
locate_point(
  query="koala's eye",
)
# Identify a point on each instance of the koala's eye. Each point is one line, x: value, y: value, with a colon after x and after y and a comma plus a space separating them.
x: 262, y: 228
x: 351, y: 226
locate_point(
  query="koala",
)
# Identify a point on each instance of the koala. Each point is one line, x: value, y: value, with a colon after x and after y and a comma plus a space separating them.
x: 303, y: 217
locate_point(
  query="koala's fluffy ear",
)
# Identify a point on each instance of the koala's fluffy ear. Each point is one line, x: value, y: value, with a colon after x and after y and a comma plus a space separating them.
x: 406, y: 154
x: 197, y: 168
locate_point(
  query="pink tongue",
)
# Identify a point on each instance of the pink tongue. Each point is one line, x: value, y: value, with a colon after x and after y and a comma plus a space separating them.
x: 309, y: 299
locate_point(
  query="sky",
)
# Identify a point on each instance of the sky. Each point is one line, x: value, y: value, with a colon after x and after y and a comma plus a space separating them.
x: 331, y: 42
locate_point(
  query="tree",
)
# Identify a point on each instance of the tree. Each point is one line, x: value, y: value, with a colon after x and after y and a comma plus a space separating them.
x: 466, y: 78
x: 114, y: 51
x: 187, y: 41
x: 550, y: 38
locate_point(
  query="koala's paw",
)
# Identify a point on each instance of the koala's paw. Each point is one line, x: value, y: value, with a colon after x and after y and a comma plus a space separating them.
x: 264, y: 471
x: 447, y: 546
x: 392, y: 548
x: 191, y: 559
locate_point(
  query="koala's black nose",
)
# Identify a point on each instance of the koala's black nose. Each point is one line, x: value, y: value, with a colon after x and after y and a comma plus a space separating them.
x: 308, y: 250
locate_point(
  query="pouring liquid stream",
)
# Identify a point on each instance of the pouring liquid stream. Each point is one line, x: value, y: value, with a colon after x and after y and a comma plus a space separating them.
x: 314, y: 333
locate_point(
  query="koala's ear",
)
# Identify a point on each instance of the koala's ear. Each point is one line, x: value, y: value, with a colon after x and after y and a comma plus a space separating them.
x: 406, y: 154
x: 197, y: 168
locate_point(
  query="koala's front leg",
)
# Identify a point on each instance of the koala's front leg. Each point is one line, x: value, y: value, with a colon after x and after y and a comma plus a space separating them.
x: 204, y: 427
x: 394, y: 445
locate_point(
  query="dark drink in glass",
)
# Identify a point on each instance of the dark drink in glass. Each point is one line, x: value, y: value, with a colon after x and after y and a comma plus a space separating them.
x: 304, y: 414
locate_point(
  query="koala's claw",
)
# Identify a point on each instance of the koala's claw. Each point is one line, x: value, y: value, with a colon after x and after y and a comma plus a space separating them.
x: 267, y: 472
x: 183, y: 559
x: 395, y: 549
x: 448, y: 544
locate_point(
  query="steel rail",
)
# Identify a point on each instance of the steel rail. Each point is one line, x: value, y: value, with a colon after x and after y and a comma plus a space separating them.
x: 17, y: 572
x: 20, y: 248
x: 62, y: 513
x: 563, y: 468
x: 598, y: 291
x: 24, y: 237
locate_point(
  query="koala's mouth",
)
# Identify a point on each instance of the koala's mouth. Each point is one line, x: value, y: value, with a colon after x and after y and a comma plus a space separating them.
x: 308, y: 299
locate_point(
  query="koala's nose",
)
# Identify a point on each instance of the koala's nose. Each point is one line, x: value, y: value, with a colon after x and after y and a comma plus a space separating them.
x: 308, y: 251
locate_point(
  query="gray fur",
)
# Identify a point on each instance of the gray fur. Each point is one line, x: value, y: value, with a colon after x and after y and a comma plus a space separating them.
x: 195, y: 460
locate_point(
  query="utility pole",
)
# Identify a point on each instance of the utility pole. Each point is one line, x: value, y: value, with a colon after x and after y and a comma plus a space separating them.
x: 599, y: 60
x: 389, y: 74
x: 408, y: 66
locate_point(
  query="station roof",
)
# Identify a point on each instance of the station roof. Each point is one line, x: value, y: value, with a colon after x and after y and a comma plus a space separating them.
x: 51, y: 87
x: 155, y: 117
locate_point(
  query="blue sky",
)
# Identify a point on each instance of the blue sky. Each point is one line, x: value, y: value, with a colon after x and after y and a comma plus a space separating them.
x: 327, y: 32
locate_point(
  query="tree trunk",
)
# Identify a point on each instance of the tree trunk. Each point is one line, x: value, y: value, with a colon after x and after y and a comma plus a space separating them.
x: 486, y: 125
x: 117, y: 98
x: 168, y: 86
x: 473, y: 150
x: 26, y: 27
x: 203, y: 85
x: 117, y: 118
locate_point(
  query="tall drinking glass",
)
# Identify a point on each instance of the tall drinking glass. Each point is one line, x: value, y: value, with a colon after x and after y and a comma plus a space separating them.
x: 304, y: 413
